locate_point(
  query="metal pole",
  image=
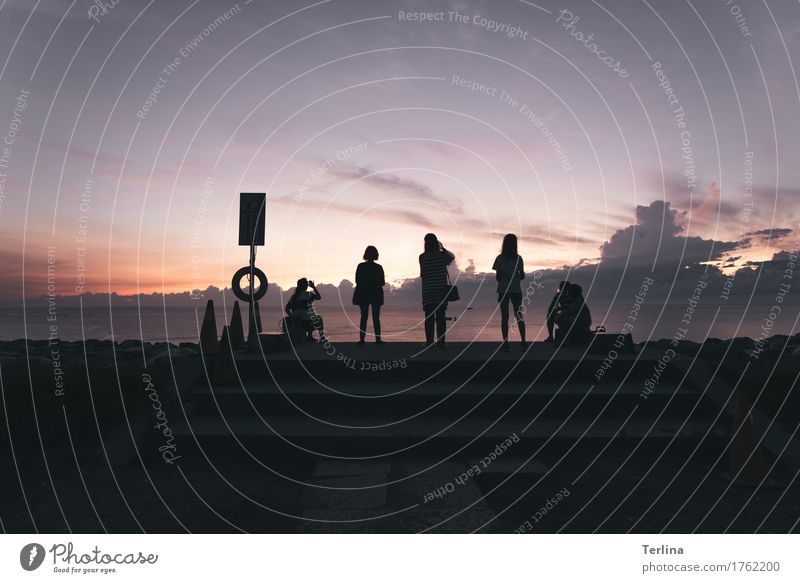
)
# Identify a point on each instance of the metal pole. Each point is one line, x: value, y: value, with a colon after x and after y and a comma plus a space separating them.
x: 252, y: 268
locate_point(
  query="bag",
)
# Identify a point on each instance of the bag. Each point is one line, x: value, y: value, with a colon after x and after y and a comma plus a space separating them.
x: 451, y: 293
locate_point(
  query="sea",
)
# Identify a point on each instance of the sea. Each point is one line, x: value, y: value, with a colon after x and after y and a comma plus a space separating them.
x: 400, y: 324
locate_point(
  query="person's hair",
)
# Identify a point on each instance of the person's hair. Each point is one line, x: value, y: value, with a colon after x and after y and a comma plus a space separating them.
x: 575, y: 289
x: 370, y: 253
x: 563, y: 288
x: 431, y: 243
x: 509, y: 248
x: 302, y: 283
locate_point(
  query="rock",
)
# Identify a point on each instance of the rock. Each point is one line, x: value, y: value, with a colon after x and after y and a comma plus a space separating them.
x: 126, y: 344
x: 777, y: 342
x: 38, y: 361
x: 743, y: 343
x: 163, y: 346
x: 163, y: 358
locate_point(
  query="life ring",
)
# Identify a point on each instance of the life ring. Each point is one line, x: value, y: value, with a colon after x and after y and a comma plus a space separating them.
x: 244, y: 295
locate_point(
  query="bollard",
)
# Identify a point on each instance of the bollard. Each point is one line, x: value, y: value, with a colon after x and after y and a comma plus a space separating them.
x: 237, y: 328
x: 208, y: 331
x: 224, y: 367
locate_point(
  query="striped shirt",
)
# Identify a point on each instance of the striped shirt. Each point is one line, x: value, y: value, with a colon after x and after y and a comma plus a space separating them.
x: 433, y: 273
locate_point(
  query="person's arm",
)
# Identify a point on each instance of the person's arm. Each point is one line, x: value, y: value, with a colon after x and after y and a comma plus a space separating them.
x: 359, y: 274
x: 288, y: 307
x: 574, y: 308
x: 381, y: 277
x: 496, y: 268
x: 521, y: 268
x: 449, y: 256
x: 316, y: 295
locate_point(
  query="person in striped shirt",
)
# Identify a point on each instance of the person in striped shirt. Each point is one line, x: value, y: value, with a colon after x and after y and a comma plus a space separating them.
x: 433, y: 275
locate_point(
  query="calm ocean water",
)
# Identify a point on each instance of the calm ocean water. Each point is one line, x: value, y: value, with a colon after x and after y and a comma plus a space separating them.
x: 181, y: 324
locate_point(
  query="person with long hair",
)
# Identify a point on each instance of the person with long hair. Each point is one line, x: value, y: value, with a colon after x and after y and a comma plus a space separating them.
x: 300, y: 309
x: 369, y: 292
x: 510, y: 271
x: 433, y: 275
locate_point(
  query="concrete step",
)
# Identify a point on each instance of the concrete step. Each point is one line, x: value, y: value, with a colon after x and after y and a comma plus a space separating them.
x: 348, y: 362
x: 380, y: 436
x: 398, y: 399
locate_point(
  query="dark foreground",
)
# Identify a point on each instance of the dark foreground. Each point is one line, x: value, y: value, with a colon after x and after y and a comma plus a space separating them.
x: 345, y: 438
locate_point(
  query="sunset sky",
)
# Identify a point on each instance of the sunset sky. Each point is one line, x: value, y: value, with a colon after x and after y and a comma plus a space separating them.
x: 365, y: 125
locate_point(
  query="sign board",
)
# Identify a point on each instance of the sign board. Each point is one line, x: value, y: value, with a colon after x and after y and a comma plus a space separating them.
x: 252, y: 218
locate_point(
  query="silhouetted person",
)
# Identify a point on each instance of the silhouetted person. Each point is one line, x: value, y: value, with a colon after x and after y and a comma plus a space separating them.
x: 300, y: 309
x: 552, y: 310
x: 433, y: 275
x: 510, y: 272
x: 574, y: 320
x: 369, y: 292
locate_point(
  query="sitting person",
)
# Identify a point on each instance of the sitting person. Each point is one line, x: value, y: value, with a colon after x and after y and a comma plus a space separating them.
x: 559, y: 301
x: 302, y: 318
x: 574, y: 320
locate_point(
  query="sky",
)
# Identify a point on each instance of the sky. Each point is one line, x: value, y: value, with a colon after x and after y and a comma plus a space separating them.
x: 628, y: 137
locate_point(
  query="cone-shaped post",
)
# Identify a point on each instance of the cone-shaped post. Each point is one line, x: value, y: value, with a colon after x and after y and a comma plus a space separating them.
x: 208, y: 331
x: 237, y: 328
x: 224, y: 367
x: 747, y: 464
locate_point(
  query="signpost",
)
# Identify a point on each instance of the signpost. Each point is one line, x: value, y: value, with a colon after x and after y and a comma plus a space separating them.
x: 252, y: 218
x: 252, y: 228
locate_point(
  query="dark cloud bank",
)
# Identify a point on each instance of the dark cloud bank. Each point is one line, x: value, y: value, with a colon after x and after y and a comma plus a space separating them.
x: 655, y: 251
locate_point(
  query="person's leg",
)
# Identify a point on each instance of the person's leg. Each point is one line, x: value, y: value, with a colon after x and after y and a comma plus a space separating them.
x: 376, y: 321
x: 504, y: 317
x: 551, y: 323
x: 429, y: 316
x: 516, y: 301
x: 441, y: 323
x: 318, y: 327
x: 362, y: 327
x: 566, y: 328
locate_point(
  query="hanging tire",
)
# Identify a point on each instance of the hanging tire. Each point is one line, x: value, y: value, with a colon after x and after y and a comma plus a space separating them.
x: 244, y: 295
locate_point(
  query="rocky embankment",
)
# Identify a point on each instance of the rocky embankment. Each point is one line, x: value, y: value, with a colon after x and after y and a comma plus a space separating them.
x: 95, y: 386
x: 766, y: 369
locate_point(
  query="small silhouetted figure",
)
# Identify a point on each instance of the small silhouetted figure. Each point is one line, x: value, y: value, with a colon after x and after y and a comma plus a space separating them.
x: 433, y: 274
x: 300, y: 309
x: 574, y: 320
x: 560, y: 297
x: 369, y: 292
x: 510, y: 272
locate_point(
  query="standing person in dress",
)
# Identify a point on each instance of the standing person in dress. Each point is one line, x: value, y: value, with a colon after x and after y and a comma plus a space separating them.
x: 510, y: 272
x: 369, y: 292
x: 433, y: 274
